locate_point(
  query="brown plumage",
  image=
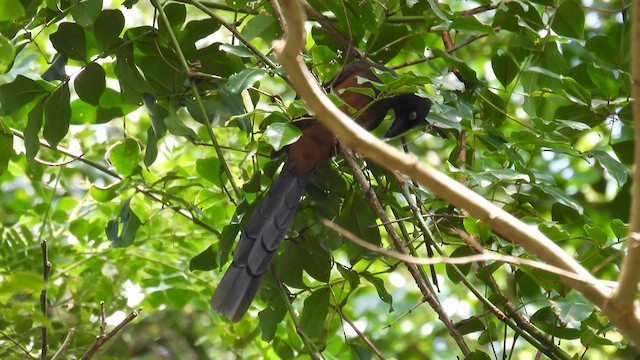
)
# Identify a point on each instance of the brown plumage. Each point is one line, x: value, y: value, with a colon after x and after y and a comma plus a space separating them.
x: 269, y: 222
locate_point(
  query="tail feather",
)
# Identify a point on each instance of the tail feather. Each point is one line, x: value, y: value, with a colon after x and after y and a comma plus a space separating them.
x: 257, y: 246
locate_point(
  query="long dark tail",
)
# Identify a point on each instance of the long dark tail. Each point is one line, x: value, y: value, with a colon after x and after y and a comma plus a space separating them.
x: 257, y: 246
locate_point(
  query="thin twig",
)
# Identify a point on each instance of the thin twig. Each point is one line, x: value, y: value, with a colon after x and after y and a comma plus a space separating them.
x: 361, y: 335
x: 65, y: 344
x: 46, y: 271
x: 416, y: 272
x: 140, y: 188
x: 468, y: 259
x: 103, y: 338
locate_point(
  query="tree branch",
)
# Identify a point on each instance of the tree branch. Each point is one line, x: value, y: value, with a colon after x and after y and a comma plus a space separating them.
x: 421, y: 281
x: 629, y: 277
x: 457, y: 194
x: 104, y: 337
x: 65, y: 345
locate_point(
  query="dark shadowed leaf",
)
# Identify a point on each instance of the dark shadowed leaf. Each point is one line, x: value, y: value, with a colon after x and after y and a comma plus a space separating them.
x: 57, y: 115
x: 86, y: 12
x: 205, y: 261
x: 57, y: 70
x: 314, y: 313
x: 108, y: 26
x: 617, y: 170
x: 31, y: 131
x: 122, y: 230
x: 505, y: 68
x: 90, y: 83
x: 18, y: 93
x: 6, y: 146
x: 270, y: 317
x: 569, y: 20
x: 380, y: 288
x: 70, y: 40
x: 245, y: 79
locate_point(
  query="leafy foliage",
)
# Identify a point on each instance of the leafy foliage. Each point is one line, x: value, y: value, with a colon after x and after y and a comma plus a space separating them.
x: 135, y: 142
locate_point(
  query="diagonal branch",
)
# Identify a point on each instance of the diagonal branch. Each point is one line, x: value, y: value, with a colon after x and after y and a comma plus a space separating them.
x: 414, y: 270
x: 630, y: 273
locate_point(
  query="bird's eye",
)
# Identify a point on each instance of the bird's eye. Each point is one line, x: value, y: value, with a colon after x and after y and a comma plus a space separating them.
x: 413, y: 115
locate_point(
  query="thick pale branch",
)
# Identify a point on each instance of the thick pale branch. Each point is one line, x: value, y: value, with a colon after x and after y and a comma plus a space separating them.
x: 629, y: 278
x: 528, y: 236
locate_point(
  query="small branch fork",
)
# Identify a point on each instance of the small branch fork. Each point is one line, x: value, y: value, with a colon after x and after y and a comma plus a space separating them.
x: 104, y: 336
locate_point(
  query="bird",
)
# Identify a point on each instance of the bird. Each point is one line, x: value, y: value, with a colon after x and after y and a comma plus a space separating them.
x: 270, y: 220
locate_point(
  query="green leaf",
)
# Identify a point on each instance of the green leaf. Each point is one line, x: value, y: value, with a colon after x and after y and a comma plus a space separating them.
x: 205, y: 261
x: 20, y: 282
x: 591, y: 339
x: 605, y: 80
x: 569, y: 20
x: 7, y: 53
x: 360, y: 353
x: 290, y: 266
x: 209, y: 169
x: 196, y: 30
x: 505, y: 68
x: 604, y: 48
x: 314, y: 313
x: 560, y: 196
x: 31, y: 131
x: 90, y: 83
x: 18, y: 93
x: 263, y: 26
x: 548, y: 321
x: 86, y: 12
x: 569, y: 310
x: 105, y: 194
x: 122, y: 230
x: 380, y: 288
x: 388, y: 41
x: 471, y: 24
x: 176, y: 15
x: 270, y: 317
x: 57, y: 70
x: 318, y: 264
x: 6, y: 146
x: 478, y: 354
x: 351, y: 276
x: 573, y: 88
x: 70, y: 40
x: 108, y: 27
x: 177, y: 127
x: 226, y: 239
x: 11, y: 10
x: 124, y: 156
x: 617, y: 170
x: 460, y: 252
x: 237, y: 50
x: 468, y: 74
x: 57, y: 115
x: 619, y: 228
x: 279, y: 135
x: 245, y: 79
x: 472, y: 325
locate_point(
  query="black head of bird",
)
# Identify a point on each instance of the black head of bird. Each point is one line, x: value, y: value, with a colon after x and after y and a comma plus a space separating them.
x: 410, y: 110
